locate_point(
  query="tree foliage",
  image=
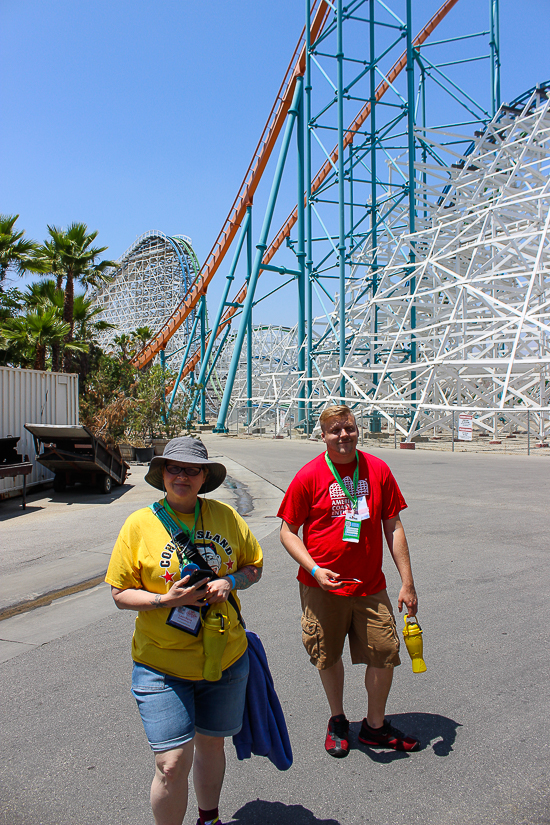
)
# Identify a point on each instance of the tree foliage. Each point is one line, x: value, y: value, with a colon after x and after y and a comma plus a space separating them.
x: 123, y: 403
x: 69, y: 255
x: 49, y: 325
x: 16, y: 252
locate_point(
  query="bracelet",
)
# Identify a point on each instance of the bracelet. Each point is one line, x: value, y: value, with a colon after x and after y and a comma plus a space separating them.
x: 229, y: 576
x: 313, y: 569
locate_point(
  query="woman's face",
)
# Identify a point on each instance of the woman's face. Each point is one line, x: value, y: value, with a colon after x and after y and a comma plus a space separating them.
x: 182, y: 489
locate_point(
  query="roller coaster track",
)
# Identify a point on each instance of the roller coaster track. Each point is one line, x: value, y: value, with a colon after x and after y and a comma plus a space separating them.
x: 253, y: 176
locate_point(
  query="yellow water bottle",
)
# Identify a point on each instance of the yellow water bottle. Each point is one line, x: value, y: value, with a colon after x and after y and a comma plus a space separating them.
x: 412, y: 633
x: 215, y: 631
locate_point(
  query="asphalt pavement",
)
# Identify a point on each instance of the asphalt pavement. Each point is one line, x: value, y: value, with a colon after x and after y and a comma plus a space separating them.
x: 73, y: 750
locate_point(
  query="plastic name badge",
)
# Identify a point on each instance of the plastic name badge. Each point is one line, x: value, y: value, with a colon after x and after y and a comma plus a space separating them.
x: 352, y: 528
x: 185, y: 618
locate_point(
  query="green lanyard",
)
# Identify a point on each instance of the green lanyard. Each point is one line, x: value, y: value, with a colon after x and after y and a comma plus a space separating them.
x: 335, y: 473
x: 190, y: 533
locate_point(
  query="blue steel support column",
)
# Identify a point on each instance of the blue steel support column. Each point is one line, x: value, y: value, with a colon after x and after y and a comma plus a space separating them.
x: 375, y: 423
x: 412, y: 193
x: 341, y: 197
x: 203, y: 347
x: 495, y: 56
x: 301, y: 255
x: 183, y: 362
x: 249, y: 262
x: 309, y: 258
x: 261, y: 247
x: 162, y: 355
x: 223, y: 302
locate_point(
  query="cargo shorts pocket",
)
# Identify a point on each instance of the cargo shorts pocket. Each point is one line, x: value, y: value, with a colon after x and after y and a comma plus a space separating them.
x: 391, y: 624
x: 311, y: 634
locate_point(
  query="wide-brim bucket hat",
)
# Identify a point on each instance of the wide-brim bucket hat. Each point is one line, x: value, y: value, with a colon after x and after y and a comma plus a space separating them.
x: 191, y: 451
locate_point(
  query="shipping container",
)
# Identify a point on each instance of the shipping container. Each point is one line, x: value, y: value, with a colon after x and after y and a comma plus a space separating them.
x: 34, y: 397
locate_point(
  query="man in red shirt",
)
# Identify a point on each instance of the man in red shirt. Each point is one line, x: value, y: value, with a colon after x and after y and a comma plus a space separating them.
x: 343, y: 499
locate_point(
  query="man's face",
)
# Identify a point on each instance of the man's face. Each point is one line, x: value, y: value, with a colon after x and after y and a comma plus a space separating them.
x: 341, y: 436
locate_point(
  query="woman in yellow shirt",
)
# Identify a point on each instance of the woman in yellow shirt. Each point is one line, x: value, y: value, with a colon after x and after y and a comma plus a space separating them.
x: 186, y: 717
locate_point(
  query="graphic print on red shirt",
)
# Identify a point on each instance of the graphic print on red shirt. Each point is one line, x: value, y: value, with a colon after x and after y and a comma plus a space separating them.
x: 316, y: 501
x: 341, y: 505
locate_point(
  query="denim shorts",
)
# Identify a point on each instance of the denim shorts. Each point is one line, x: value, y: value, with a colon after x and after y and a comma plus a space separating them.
x: 173, y: 709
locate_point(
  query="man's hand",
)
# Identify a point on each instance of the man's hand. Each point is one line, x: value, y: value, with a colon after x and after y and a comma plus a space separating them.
x: 408, y: 597
x: 326, y: 579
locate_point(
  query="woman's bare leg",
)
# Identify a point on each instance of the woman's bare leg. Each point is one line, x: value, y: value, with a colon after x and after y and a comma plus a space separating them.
x: 208, y: 770
x: 169, y: 787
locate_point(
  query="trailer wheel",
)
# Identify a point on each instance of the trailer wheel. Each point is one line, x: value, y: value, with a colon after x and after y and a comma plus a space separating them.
x: 59, y: 483
x: 105, y: 484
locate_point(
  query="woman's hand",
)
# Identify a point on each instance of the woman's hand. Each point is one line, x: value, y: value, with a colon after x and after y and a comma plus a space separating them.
x: 181, y: 594
x: 217, y: 591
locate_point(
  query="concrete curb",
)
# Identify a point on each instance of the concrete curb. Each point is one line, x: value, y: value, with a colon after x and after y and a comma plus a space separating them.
x: 48, y: 598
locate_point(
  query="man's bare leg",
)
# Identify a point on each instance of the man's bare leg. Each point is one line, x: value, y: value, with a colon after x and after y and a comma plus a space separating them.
x: 333, y: 683
x: 378, y: 683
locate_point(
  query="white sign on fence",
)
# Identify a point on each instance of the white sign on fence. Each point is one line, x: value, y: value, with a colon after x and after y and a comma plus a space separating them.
x: 465, y: 426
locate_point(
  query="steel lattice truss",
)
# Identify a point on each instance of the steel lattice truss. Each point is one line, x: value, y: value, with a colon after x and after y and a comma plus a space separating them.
x: 149, y: 282
x: 479, y: 291
x: 274, y: 371
x: 365, y: 117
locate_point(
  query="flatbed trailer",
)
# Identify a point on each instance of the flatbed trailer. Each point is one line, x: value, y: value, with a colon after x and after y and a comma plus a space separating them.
x: 75, y: 454
x: 12, y: 464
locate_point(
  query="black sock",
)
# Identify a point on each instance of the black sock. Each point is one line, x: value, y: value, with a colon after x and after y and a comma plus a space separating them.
x: 208, y: 816
x: 369, y: 726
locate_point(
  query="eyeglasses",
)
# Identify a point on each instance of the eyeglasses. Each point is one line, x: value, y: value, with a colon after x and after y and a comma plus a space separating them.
x: 174, y: 470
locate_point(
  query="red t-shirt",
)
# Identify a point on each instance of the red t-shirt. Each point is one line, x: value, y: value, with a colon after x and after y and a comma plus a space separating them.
x: 315, y: 500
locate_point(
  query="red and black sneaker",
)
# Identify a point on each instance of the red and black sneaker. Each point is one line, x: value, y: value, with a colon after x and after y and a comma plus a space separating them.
x: 387, y: 737
x: 337, y: 740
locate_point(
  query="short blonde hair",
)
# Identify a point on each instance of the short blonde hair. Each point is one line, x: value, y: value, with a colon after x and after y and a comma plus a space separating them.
x: 336, y: 411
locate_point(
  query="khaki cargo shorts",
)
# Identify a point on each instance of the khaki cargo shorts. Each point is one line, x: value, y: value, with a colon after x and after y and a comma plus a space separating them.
x: 368, y: 621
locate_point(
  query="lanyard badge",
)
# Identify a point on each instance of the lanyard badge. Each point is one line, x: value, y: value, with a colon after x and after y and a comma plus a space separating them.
x: 352, y: 528
x: 186, y: 617
x: 189, y: 535
x: 352, y: 521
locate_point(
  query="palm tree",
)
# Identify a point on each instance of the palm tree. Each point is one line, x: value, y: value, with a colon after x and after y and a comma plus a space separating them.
x: 44, y: 293
x: 125, y: 343
x: 52, y: 262
x: 87, y: 325
x: 47, y: 293
x: 15, y: 251
x: 143, y: 335
x: 87, y: 328
x: 37, y: 330
x: 71, y: 256
x: 11, y: 305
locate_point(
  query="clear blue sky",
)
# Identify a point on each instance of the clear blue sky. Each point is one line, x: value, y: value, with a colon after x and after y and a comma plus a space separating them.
x: 141, y: 115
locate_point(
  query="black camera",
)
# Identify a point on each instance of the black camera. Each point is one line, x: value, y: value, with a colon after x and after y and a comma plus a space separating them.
x: 197, y: 576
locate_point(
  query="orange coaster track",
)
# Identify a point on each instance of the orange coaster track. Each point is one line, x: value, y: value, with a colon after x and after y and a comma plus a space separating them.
x: 253, y: 176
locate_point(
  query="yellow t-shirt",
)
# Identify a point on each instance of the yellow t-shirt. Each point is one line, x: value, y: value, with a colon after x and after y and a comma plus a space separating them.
x: 144, y: 557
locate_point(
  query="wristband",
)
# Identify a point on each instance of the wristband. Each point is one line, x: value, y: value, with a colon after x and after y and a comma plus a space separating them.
x: 232, y: 578
x: 313, y: 569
